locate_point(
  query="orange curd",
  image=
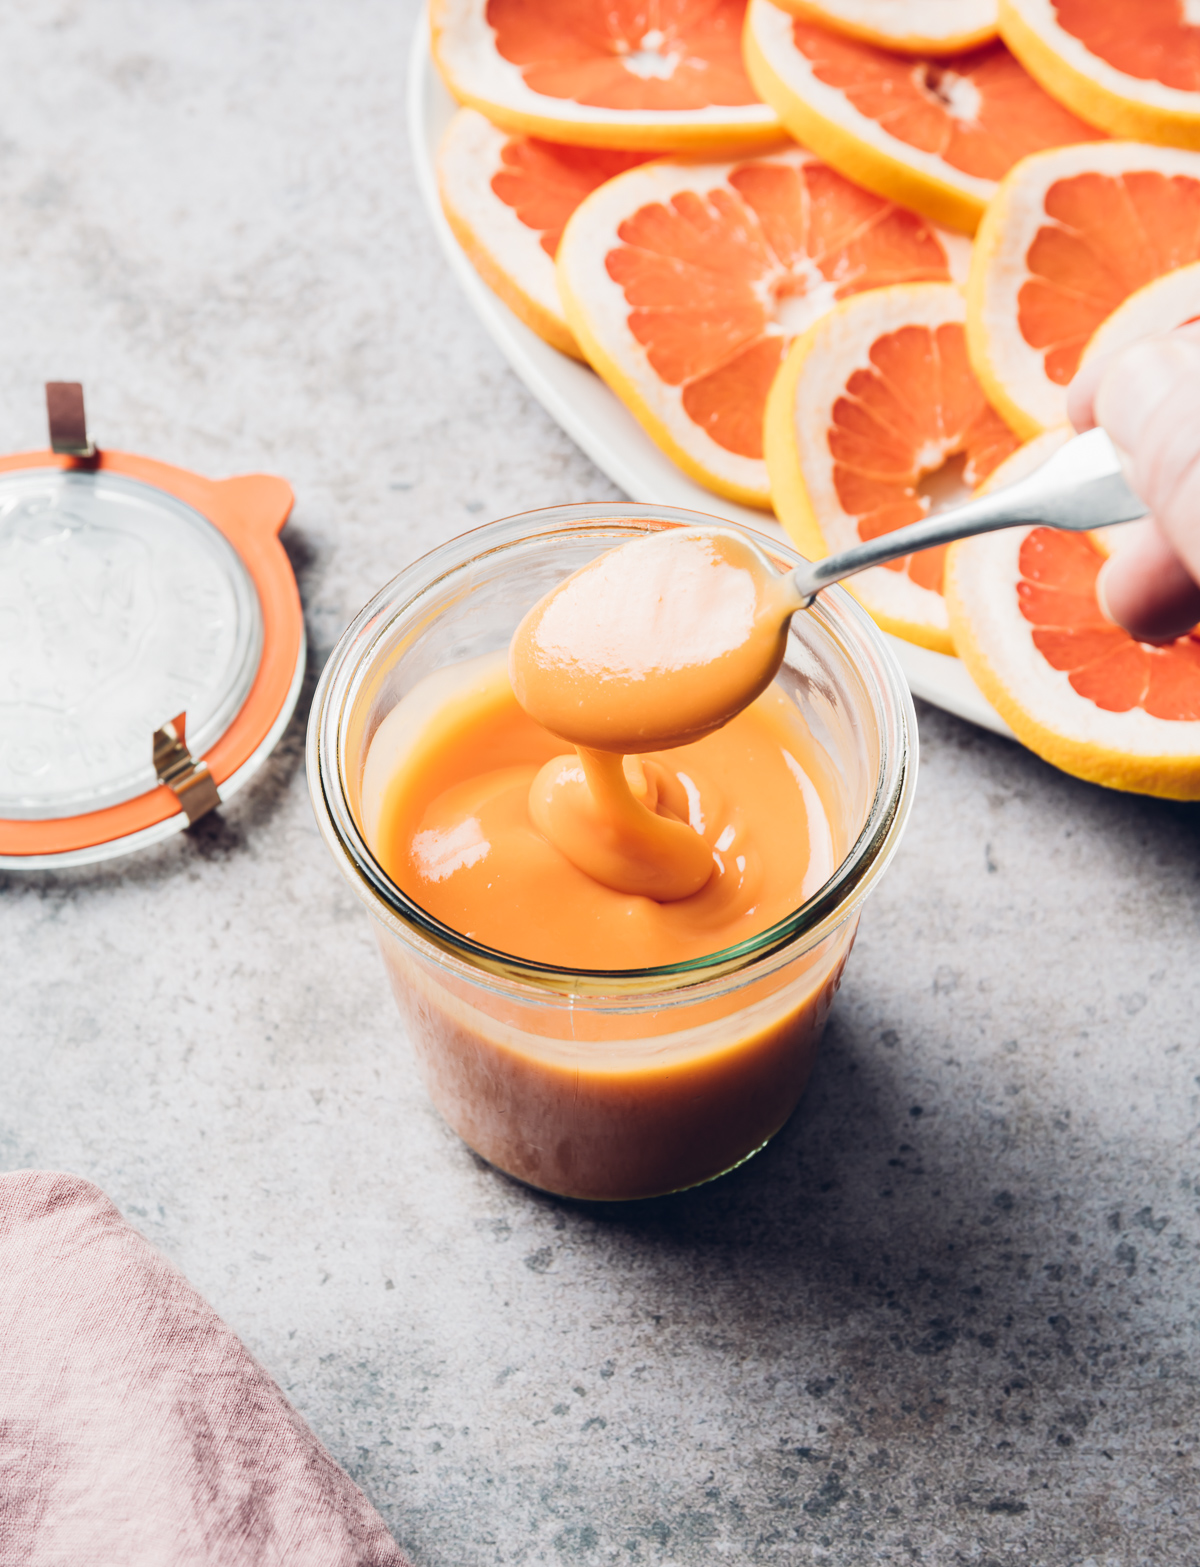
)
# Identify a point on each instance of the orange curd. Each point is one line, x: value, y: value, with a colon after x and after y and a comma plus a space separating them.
x: 694, y: 812
x: 709, y: 830
x: 456, y: 775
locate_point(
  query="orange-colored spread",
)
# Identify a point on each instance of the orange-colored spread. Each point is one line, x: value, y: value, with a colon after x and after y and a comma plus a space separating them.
x: 654, y: 644
x: 695, y: 812
x: 448, y: 811
x: 709, y: 830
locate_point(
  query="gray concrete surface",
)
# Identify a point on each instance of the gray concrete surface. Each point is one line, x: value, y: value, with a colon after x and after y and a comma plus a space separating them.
x: 950, y: 1316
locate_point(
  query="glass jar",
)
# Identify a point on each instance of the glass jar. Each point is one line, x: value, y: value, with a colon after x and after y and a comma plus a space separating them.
x: 612, y: 1084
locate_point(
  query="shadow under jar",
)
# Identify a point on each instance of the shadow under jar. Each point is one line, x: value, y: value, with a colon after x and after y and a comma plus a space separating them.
x: 594, y: 1084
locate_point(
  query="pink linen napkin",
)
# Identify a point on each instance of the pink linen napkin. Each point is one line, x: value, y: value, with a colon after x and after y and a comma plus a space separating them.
x: 134, y: 1427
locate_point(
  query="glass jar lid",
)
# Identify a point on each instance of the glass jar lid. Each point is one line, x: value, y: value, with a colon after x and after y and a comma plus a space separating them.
x: 120, y: 607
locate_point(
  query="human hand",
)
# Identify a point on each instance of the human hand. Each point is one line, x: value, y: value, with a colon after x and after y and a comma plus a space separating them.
x: 1147, y: 397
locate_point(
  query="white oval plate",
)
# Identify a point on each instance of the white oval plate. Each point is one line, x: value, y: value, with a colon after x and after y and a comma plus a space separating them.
x: 597, y: 421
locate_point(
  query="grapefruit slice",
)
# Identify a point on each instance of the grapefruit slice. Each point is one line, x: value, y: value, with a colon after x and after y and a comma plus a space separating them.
x: 874, y: 420
x: 606, y: 73
x: 1071, y: 234
x: 685, y: 282
x: 910, y: 26
x: 1131, y: 67
x: 934, y: 133
x: 507, y: 198
x: 1171, y: 301
x: 1077, y: 689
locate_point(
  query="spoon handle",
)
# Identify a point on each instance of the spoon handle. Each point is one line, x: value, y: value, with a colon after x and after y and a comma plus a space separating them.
x: 1081, y: 486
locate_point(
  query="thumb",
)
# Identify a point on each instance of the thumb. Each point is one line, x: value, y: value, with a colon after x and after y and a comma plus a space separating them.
x: 1146, y: 588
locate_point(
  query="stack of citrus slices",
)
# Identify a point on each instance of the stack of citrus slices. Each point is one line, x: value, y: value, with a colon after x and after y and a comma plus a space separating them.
x: 841, y: 258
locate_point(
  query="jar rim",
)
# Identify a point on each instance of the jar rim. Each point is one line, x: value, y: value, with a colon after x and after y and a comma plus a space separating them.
x: 827, y: 908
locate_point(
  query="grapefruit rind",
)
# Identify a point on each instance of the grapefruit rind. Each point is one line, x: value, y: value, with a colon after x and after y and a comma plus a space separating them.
x: 823, y: 118
x: 1169, y: 302
x: 1010, y: 370
x: 1131, y: 751
x: 479, y: 77
x: 914, y: 27
x: 597, y: 313
x: 1095, y: 90
x: 813, y: 376
x: 506, y: 253
x: 781, y: 448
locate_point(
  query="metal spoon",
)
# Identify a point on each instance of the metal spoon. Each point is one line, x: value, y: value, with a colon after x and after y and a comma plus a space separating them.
x: 1081, y: 487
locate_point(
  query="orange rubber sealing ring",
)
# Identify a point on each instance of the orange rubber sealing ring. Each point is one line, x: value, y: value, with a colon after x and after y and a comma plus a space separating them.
x: 249, y: 510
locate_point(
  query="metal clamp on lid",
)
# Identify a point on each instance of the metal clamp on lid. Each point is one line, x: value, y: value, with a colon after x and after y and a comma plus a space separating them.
x: 68, y: 423
x: 188, y: 779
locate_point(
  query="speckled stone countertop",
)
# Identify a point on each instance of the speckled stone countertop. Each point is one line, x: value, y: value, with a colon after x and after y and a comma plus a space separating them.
x: 949, y: 1316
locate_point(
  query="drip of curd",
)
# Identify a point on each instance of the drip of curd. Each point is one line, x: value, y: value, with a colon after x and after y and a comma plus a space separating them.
x: 650, y: 647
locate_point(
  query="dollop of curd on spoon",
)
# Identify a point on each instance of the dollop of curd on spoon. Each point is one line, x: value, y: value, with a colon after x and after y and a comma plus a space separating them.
x: 652, y: 646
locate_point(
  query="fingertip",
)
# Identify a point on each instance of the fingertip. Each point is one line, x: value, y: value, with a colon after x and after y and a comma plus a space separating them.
x: 1146, y: 589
